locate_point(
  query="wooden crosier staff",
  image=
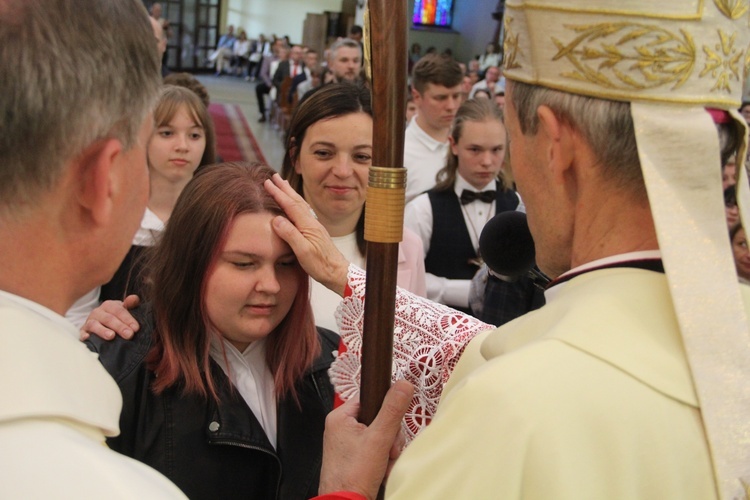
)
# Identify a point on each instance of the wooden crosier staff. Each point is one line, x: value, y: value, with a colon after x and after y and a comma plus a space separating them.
x: 385, y: 47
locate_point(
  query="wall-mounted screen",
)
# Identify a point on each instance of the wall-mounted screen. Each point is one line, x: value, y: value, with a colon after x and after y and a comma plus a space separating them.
x: 433, y: 13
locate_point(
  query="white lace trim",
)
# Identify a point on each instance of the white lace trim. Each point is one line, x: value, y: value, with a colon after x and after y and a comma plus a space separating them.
x: 428, y: 339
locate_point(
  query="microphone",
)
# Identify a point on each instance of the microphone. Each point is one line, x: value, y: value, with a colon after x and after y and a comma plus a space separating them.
x: 506, y: 245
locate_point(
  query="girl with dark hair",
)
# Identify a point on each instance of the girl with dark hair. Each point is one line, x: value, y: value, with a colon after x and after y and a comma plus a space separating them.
x: 225, y: 386
x: 327, y: 160
x: 471, y: 188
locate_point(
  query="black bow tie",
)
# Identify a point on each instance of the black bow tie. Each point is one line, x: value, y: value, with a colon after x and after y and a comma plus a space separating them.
x: 469, y: 196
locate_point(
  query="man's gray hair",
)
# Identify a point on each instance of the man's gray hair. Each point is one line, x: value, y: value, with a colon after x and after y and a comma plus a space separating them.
x: 345, y: 42
x: 74, y: 72
x: 605, y: 125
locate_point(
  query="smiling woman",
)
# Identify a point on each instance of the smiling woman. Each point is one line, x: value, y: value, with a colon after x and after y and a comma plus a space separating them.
x: 327, y: 161
x: 225, y: 386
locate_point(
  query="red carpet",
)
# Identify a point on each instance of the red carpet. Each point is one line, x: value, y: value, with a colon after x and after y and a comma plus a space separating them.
x: 234, y: 140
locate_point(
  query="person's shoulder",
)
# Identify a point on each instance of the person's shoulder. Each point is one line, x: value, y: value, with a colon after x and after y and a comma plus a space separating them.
x: 120, y: 357
x: 67, y: 452
x: 419, y: 202
x: 413, y: 128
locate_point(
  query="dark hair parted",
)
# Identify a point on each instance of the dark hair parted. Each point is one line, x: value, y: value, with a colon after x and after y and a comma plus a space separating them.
x: 473, y: 110
x: 170, y: 100
x: 329, y: 101
x: 436, y: 69
x: 179, y: 267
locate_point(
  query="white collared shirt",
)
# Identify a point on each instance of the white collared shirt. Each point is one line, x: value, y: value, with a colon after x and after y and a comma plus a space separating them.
x: 423, y: 159
x: 419, y: 218
x: 151, y: 227
x: 250, y: 375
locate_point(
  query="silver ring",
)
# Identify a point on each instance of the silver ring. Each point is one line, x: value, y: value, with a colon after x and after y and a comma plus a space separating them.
x: 312, y: 212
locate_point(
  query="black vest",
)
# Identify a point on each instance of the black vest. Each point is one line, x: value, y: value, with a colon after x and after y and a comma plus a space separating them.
x: 450, y: 245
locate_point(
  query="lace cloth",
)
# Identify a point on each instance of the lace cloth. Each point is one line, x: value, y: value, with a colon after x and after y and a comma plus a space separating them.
x: 428, y: 340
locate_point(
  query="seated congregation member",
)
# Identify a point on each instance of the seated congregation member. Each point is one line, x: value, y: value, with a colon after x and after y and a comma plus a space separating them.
x: 258, y: 49
x: 309, y: 67
x: 222, y: 56
x: 344, y: 61
x: 491, y: 83
x: 225, y: 387
x: 240, y: 53
x: 472, y: 188
x: 265, y: 74
x: 327, y: 160
x: 315, y: 81
x: 482, y: 94
x: 183, y: 140
x: 491, y: 58
x: 288, y: 69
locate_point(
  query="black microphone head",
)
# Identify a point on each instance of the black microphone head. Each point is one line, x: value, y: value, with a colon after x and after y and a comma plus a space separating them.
x: 506, y: 244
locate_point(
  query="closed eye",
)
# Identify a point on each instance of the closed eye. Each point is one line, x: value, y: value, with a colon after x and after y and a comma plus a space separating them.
x: 243, y: 264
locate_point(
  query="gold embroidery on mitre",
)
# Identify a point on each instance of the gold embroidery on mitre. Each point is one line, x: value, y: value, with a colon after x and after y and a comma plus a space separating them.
x: 723, y: 63
x: 510, y: 46
x: 747, y: 62
x: 629, y: 55
x: 733, y: 9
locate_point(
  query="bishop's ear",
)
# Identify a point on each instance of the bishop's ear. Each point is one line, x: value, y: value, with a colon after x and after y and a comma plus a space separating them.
x: 558, y: 140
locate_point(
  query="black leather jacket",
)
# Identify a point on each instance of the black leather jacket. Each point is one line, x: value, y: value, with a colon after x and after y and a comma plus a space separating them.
x: 219, y: 450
